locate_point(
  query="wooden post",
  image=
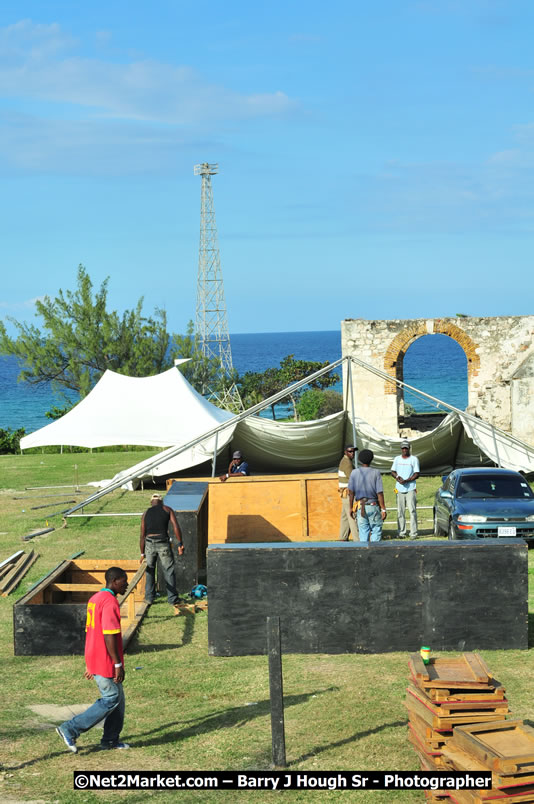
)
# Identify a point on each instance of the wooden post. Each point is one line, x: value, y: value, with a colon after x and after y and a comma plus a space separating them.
x: 276, y: 692
x: 214, y: 455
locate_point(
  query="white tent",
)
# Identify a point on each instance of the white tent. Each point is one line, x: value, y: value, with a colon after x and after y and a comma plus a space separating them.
x: 159, y: 411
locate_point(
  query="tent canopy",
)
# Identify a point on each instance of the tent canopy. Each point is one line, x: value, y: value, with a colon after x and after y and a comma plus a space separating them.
x: 156, y: 411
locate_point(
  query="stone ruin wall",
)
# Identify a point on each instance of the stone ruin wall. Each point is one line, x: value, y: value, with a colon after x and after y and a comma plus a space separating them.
x: 500, y: 367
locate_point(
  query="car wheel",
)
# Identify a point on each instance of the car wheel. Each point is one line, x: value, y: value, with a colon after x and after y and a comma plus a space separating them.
x: 451, y: 532
x: 437, y: 529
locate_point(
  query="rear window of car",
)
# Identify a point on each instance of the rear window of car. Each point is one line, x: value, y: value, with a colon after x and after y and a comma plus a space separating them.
x: 498, y: 486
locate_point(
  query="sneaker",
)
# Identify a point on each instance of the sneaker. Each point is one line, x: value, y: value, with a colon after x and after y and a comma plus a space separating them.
x: 109, y: 746
x: 71, y: 745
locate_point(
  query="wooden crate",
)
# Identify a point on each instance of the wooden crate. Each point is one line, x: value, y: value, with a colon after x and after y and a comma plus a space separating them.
x: 505, y: 747
x: 455, y: 758
x: 49, y: 620
x: 467, y: 671
x: 440, y: 718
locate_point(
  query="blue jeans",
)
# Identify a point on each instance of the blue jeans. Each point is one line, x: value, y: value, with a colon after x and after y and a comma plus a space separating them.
x: 110, y: 706
x: 154, y: 549
x: 371, y: 525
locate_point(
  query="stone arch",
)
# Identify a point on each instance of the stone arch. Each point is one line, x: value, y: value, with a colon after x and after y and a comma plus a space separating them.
x: 394, y: 356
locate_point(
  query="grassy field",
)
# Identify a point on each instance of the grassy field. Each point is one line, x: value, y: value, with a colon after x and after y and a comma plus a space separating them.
x: 186, y: 710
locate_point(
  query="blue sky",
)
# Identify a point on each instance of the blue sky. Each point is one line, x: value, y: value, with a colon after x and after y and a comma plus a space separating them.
x: 376, y: 159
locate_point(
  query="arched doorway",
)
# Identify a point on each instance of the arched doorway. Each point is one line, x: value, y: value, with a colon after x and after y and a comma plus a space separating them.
x: 465, y: 363
x: 436, y: 364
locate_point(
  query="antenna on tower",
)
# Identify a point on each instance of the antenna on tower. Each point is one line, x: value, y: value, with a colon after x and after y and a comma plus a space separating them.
x: 211, y: 319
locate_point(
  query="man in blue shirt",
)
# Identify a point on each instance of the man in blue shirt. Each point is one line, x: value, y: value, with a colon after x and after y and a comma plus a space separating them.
x: 405, y: 470
x: 365, y: 486
x: 238, y: 467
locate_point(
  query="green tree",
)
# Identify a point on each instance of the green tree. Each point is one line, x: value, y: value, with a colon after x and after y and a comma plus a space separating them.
x: 256, y: 386
x: 80, y: 338
x: 10, y: 440
x: 315, y: 404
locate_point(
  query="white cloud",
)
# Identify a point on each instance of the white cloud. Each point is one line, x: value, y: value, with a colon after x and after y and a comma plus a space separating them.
x: 14, y: 306
x: 34, y: 66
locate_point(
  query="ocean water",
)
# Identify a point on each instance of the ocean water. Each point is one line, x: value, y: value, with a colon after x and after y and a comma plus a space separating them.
x: 434, y: 363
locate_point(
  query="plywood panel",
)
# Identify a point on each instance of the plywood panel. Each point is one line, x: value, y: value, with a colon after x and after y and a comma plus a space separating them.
x: 324, y: 508
x: 249, y: 512
x: 274, y: 509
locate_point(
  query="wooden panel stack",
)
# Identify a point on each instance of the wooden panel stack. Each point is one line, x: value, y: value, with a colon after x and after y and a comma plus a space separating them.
x: 444, y: 694
x: 13, y: 570
x: 505, y: 748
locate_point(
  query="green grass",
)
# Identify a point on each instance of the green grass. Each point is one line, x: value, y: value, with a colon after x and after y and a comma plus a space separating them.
x: 186, y: 710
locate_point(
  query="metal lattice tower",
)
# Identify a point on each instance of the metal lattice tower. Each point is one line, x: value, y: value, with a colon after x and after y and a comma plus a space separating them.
x: 211, y: 319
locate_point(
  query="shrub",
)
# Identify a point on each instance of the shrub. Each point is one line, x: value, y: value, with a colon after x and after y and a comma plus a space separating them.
x: 10, y: 440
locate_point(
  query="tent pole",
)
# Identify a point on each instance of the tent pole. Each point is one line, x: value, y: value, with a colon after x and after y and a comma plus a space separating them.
x: 352, y: 403
x: 496, y: 450
x: 172, y: 452
x: 214, y: 455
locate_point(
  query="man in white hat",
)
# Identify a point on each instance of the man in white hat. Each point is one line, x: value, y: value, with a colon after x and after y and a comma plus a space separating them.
x: 405, y: 470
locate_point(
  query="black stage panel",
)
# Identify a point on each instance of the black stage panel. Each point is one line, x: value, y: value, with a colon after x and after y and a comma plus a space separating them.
x: 49, y: 630
x: 347, y: 597
x: 190, y: 503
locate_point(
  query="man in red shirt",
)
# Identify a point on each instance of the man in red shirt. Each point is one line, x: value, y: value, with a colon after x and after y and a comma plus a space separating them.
x: 105, y: 664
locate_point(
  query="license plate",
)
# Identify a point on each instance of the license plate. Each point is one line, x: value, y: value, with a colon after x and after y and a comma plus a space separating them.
x: 506, y: 531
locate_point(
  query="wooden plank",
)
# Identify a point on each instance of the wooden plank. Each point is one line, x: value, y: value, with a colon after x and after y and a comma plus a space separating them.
x: 255, y: 478
x: 304, y: 510
x: 131, y: 608
x: 4, y: 571
x: 418, y: 668
x: 479, y: 670
x: 141, y: 570
x: 490, y: 693
x: 105, y: 563
x: 32, y: 558
x: 132, y: 627
x: 75, y: 587
x: 13, y: 572
x: 11, y: 559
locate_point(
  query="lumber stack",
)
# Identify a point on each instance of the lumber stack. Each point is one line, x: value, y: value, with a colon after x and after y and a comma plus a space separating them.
x: 445, y: 694
x: 183, y: 609
x: 13, y: 570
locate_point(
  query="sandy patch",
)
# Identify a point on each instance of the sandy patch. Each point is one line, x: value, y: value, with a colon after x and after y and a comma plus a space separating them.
x: 55, y: 714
